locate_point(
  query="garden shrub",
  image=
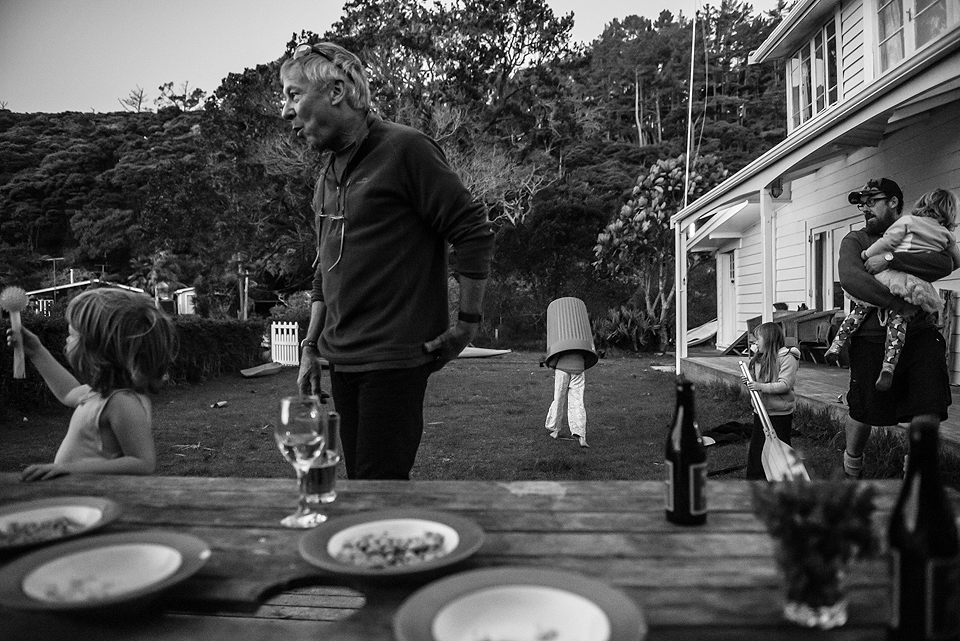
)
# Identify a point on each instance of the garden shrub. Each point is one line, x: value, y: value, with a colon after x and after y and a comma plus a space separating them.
x: 295, y: 309
x: 208, y: 348
x: 627, y: 328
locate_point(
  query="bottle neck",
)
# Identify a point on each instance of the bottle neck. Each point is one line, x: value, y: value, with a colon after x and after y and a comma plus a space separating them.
x: 685, y: 399
x: 684, y: 417
x: 923, y: 450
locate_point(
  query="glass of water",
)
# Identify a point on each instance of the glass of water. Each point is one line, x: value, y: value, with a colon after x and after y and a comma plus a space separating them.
x: 322, y: 476
x: 301, y: 435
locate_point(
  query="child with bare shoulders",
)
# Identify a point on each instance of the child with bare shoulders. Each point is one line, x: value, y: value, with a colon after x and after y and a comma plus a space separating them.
x: 121, y: 346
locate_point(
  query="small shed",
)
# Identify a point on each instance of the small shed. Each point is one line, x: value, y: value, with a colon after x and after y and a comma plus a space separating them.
x: 186, y: 298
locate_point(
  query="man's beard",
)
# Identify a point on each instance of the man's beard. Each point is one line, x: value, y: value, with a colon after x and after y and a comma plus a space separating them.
x: 874, y: 225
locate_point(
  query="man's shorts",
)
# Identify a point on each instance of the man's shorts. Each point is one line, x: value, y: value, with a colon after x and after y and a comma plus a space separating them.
x: 921, y: 382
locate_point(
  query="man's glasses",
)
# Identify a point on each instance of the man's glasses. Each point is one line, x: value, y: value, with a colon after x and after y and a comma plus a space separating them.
x: 307, y: 49
x: 339, y: 215
x: 870, y: 202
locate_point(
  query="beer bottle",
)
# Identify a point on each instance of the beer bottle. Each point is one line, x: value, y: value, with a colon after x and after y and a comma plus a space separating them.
x: 924, y: 551
x: 685, y: 463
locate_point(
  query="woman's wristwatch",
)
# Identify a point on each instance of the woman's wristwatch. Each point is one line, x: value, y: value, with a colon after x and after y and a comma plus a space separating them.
x: 308, y: 343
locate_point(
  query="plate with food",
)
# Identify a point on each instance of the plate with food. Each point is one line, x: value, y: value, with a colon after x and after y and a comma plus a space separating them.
x: 519, y: 604
x: 391, y: 543
x: 101, y: 571
x: 31, y: 523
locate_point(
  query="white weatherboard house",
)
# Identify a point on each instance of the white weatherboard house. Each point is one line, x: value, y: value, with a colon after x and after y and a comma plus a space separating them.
x: 873, y: 90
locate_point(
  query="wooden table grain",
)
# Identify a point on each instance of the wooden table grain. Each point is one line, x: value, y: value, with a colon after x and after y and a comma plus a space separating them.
x: 718, y: 581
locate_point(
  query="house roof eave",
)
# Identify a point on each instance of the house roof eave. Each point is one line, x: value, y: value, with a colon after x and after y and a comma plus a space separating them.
x: 726, y: 225
x: 855, y: 123
x: 805, y: 16
x: 83, y: 283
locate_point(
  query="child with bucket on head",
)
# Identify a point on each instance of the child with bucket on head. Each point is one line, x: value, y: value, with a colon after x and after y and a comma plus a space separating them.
x: 568, y: 386
x: 929, y: 227
x: 570, y: 351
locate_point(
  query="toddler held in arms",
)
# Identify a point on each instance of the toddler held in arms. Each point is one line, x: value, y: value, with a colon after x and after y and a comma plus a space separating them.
x: 929, y: 227
x: 121, y: 346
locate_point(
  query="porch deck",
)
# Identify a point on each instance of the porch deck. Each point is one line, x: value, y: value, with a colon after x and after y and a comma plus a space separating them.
x: 820, y: 386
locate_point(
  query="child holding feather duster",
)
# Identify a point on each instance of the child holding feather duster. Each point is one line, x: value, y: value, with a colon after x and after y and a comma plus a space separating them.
x: 121, y: 346
x: 774, y: 367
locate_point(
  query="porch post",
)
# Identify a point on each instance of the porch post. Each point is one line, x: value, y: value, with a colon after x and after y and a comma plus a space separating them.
x: 767, y: 251
x: 680, y: 283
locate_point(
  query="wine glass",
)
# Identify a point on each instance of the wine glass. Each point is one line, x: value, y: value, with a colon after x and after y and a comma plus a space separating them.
x: 301, y: 436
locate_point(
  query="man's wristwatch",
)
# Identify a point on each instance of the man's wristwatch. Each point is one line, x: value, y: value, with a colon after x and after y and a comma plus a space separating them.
x: 308, y: 343
x: 888, y: 257
x: 469, y: 318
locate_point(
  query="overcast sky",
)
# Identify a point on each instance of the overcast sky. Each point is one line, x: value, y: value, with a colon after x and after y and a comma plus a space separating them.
x: 83, y: 55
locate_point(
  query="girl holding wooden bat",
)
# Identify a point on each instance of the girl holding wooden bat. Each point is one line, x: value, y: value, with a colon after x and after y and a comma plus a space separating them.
x: 774, y: 367
x: 121, y: 346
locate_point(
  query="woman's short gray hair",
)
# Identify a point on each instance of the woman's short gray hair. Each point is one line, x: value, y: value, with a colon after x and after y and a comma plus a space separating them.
x: 327, y: 62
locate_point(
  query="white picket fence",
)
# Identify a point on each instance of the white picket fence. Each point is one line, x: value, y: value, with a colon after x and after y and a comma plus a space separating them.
x: 285, y: 343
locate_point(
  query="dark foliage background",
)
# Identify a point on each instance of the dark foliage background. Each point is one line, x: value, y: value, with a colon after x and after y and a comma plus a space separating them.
x: 207, y: 349
x: 559, y: 142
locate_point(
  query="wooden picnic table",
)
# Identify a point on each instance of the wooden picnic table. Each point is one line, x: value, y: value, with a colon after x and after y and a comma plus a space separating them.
x: 718, y: 581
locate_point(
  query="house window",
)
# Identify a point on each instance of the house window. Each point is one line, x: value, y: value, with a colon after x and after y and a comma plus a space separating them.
x: 813, y: 74
x: 824, y: 278
x: 820, y: 263
x: 891, y: 33
x: 907, y: 25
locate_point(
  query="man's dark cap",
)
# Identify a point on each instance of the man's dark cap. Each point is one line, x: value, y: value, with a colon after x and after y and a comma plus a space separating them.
x: 874, y: 187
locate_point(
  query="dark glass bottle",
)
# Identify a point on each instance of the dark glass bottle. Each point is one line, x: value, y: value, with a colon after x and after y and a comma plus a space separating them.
x: 685, y: 462
x: 924, y: 551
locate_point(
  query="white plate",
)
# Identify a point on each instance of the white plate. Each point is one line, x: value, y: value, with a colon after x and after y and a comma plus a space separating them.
x: 521, y: 612
x: 520, y: 604
x: 400, y: 528
x: 322, y: 545
x: 101, y: 571
x: 89, y: 512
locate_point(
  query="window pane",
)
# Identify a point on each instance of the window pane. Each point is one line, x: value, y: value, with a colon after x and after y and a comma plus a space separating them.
x: 819, y: 262
x: 795, y: 88
x: 891, y: 51
x: 820, y: 70
x: 931, y: 20
x: 806, y: 85
x: 891, y: 18
x: 831, y: 64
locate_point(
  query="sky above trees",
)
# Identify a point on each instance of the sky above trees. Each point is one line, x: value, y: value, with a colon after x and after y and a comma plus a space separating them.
x: 63, y: 55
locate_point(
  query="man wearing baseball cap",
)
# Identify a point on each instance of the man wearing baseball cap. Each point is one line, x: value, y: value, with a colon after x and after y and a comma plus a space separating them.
x: 877, y: 188
x: 920, y: 392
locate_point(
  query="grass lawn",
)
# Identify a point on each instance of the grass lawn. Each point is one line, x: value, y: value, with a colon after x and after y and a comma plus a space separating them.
x: 483, y: 420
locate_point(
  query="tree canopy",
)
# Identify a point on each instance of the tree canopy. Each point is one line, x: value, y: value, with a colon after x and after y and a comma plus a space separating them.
x: 554, y: 139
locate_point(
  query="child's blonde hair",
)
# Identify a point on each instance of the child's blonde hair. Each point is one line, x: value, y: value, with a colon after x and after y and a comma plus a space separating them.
x: 773, y: 339
x: 939, y: 204
x: 124, y: 342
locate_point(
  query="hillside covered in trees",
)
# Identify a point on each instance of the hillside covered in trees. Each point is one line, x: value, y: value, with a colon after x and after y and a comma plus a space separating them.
x: 573, y: 150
